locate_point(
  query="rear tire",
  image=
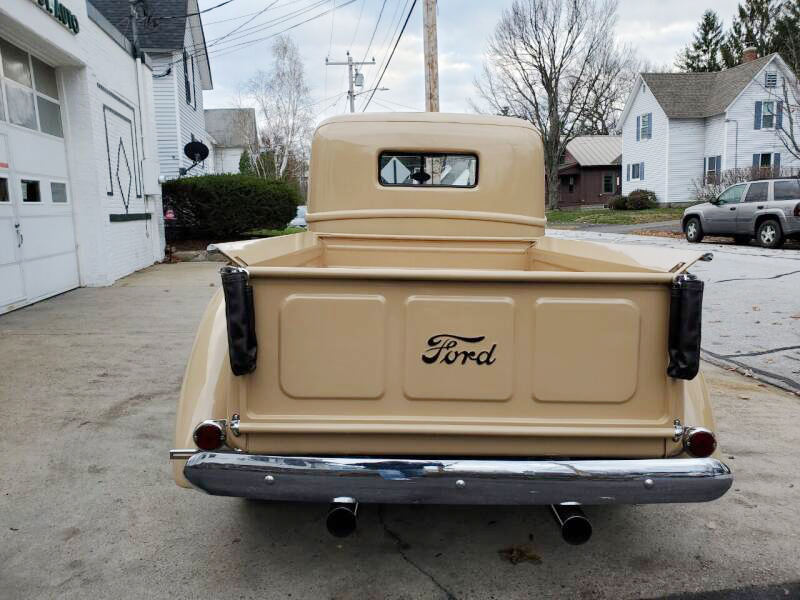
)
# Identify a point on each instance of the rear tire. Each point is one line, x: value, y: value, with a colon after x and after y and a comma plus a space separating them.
x: 693, y: 230
x: 770, y: 234
x: 742, y: 239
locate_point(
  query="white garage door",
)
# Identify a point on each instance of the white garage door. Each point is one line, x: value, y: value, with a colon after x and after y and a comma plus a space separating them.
x: 37, y: 236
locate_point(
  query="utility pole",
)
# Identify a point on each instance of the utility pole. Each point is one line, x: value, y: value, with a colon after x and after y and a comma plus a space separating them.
x: 431, y: 57
x: 354, y: 77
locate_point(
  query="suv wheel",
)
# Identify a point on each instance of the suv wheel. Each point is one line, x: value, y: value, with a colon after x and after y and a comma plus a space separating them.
x: 769, y: 234
x: 693, y: 230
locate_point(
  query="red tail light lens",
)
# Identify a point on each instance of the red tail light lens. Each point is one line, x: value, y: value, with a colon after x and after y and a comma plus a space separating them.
x: 209, y: 435
x: 699, y: 442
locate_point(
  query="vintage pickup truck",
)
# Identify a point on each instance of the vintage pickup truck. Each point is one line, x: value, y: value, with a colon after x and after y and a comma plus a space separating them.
x: 425, y: 342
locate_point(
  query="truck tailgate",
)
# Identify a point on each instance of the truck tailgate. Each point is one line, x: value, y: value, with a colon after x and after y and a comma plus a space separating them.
x: 458, y: 362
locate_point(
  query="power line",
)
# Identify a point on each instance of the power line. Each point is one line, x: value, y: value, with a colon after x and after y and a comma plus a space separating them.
x: 235, y: 29
x: 194, y: 14
x: 377, y: 85
x: 358, y: 23
x: 372, y: 37
x: 390, y: 33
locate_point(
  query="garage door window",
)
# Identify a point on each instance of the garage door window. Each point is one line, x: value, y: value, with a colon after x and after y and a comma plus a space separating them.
x: 58, y: 191
x: 4, y: 190
x: 31, y: 91
x: 30, y: 191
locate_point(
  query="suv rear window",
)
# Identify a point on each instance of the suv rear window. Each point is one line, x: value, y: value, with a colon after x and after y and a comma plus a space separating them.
x: 757, y: 192
x: 428, y: 169
x: 787, y: 190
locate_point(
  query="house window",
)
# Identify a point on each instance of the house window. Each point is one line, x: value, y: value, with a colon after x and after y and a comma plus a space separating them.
x: 30, y: 191
x: 771, y: 79
x: 713, y: 169
x: 194, y: 86
x: 637, y: 171
x: 767, y: 114
x: 571, y: 184
x: 186, y: 82
x: 608, y: 183
x: 58, y: 192
x: 644, y: 126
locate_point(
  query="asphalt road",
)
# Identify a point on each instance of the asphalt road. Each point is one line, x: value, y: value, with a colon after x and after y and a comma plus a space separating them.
x: 751, y: 306
x: 88, y: 509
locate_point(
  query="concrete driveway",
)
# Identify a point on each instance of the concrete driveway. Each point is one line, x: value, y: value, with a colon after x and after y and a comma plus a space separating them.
x: 88, y: 508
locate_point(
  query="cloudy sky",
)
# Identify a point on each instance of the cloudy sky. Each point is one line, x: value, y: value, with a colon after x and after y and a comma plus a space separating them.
x: 656, y: 28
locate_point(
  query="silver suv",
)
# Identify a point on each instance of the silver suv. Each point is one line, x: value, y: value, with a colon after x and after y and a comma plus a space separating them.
x: 766, y: 209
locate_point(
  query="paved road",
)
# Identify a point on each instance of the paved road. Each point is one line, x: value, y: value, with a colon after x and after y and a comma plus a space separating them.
x: 671, y: 226
x: 751, y: 316
x: 88, y: 508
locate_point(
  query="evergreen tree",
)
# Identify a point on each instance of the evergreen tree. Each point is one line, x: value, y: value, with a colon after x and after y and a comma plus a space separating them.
x: 754, y: 25
x: 245, y: 164
x: 702, y: 55
x: 787, y: 34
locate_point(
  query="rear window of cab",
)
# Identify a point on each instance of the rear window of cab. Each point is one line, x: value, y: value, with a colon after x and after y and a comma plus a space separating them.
x: 428, y: 169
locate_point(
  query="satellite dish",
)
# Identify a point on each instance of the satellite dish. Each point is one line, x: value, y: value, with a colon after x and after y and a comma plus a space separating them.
x: 196, y: 151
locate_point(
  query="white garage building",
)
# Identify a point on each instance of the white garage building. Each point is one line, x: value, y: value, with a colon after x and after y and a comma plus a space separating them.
x: 80, y: 202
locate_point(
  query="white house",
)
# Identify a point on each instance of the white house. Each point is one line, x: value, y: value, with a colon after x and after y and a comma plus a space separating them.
x: 679, y: 127
x: 233, y: 130
x: 80, y: 202
x: 171, y: 33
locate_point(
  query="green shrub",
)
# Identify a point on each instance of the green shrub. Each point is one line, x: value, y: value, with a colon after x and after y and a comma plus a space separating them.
x: 618, y: 203
x: 225, y: 206
x: 641, y: 199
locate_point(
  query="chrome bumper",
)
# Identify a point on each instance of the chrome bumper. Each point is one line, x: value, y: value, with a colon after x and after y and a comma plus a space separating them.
x: 455, y: 481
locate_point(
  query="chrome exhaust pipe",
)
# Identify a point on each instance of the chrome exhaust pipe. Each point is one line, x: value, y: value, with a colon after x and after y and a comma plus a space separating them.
x: 342, y: 517
x: 575, y: 527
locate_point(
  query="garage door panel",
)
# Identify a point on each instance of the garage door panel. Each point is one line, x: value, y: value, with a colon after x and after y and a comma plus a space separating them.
x: 47, y: 235
x: 12, y: 288
x: 48, y: 276
x: 8, y: 242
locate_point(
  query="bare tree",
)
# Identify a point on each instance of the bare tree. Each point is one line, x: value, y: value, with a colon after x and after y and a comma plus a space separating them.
x: 555, y: 64
x: 789, y: 132
x: 282, y: 99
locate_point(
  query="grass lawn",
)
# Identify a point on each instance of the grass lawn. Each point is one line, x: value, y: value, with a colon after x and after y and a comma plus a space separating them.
x: 275, y: 232
x: 613, y: 217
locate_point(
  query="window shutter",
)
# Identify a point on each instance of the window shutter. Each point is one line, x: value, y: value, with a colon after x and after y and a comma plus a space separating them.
x: 638, y: 127
x: 628, y: 176
x: 757, y: 122
x: 705, y: 169
x: 756, y: 160
x: 779, y: 115
x: 641, y: 170
x: 649, y: 125
x: 776, y: 163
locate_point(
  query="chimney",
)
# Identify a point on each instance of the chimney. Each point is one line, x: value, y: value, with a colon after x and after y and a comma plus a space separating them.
x: 749, y: 54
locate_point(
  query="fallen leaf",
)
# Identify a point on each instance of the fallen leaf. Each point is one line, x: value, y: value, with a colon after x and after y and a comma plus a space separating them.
x: 519, y: 553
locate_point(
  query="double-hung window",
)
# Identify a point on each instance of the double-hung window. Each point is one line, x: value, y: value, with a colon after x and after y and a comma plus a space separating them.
x: 644, y: 126
x: 767, y: 114
x: 186, y: 81
x: 635, y: 171
x: 713, y: 169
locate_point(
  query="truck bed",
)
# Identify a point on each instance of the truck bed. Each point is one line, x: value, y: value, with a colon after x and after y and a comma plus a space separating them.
x: 377, y: 345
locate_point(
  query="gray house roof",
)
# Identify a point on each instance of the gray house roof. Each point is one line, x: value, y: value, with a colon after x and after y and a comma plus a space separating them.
x: 596, y: 150
x: 162, y: 30
x: 232, y: 127
x: 689, y: 95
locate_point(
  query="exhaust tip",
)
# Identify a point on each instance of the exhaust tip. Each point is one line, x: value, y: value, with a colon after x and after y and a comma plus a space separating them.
x: 342, y: 517
x: 576, y: 529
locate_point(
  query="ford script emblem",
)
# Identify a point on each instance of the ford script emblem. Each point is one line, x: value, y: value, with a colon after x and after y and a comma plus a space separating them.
x: 449, y: 349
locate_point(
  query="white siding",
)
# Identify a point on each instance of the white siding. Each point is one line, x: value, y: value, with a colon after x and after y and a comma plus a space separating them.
x: 166, y: 113
x: 192, y: 121
x: 751, y: 140
x: 686, y: 146
x: 715, y: 137
x: 652, y: 152
x: 226, y: 160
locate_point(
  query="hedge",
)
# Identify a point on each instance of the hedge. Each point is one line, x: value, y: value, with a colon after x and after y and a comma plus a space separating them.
x: 226, y: 206
x: 636, y: 200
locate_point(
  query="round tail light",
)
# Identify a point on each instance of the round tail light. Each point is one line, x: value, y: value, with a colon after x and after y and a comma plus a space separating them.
x: 699, y: 442
x: 209, y: 435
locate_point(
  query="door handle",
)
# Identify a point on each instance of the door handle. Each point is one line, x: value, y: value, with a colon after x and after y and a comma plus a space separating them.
x: 733, y: 208
x: 760, y: 206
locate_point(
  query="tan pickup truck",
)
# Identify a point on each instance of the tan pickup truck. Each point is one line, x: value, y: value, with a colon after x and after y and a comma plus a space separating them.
x: 425, y: 342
